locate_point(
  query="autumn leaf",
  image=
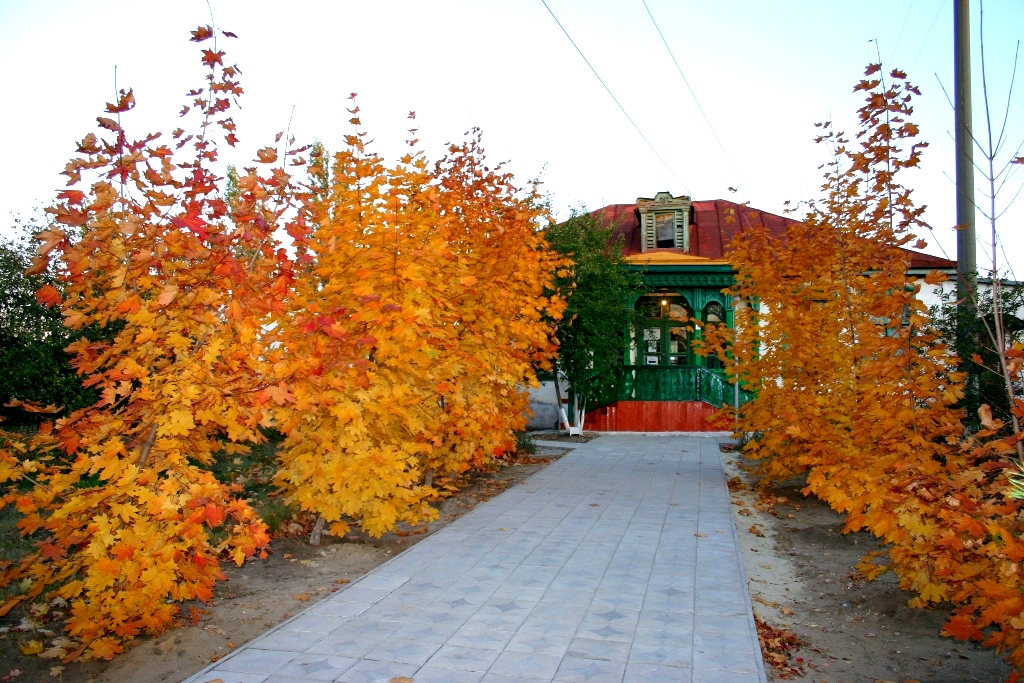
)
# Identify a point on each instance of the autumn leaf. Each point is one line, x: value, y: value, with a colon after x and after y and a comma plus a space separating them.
x: 109, y: 124
x: 168, y: 294
x: 125, y: 103
x: 48, y: 296
x: 985, y: 414
x: 202, y: 33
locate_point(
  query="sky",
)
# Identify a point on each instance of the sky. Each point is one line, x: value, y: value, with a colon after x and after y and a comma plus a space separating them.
x: 762, y: 72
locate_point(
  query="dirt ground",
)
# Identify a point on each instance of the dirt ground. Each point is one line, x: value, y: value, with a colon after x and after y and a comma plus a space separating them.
x: 254, y: 597
x: 801, y: 572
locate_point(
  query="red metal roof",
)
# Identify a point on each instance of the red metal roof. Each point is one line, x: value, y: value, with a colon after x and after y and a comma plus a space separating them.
x: 714, y: 223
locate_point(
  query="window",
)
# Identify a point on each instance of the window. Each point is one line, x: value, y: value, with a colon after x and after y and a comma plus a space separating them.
x: 664, y: 221
x: 666, y: 330
x: 714, y: 314
x: 665, y: 229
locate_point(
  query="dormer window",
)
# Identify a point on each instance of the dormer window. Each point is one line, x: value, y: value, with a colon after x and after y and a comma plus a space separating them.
x: 664, y: 221
x: 665, y: 229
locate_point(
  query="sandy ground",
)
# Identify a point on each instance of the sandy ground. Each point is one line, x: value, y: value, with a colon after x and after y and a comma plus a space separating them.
x: 802, y: 579
x: 255, y: 597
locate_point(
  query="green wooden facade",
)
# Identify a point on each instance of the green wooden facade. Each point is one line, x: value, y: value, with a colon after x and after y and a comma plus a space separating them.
x: 660, y: 364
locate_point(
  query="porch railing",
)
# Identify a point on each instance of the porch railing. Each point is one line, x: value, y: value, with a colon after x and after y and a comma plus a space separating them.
x: 677, y: 383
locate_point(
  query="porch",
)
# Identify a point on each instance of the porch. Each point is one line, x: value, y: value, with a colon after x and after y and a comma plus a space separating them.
x: 659, y: 398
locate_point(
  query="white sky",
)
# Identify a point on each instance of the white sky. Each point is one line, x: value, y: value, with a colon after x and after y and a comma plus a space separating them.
x: 764, y: 73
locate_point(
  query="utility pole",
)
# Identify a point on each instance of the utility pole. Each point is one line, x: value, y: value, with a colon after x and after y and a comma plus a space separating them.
x: 966, y: 246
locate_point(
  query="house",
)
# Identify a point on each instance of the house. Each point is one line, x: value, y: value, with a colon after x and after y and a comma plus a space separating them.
x: 680, y: 246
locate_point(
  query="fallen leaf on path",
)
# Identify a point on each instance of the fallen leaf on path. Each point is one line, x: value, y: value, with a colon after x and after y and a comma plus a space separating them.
x: 401, y: 679
x: 301, y: 597
x: 700, y: 535
x: 757, y: 532
x: 339, y: 581
x: 763, y: 601
x: 746, y: 513
x: 786, y: 611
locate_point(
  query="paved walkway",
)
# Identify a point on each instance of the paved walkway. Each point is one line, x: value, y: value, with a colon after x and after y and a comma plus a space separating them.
x: 618, y: 563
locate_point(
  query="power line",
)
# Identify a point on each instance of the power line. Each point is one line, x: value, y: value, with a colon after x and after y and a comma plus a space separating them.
x: 902, y: 28
x: 693, y: 94
x: 923, y: 42
x: 615, y: 99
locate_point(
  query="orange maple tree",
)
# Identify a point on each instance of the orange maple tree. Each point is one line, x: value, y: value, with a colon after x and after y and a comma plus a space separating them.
x: 117, y: 495
x: 390, y: 343
x: 857, y: 391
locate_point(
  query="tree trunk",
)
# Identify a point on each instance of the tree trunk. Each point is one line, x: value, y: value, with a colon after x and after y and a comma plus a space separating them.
x: 318, y: 531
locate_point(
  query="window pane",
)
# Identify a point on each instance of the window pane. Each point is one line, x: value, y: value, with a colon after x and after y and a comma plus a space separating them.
x: 677, y: 360
x: 714, y: 312
x: 678, y: 337
x: 649, y: 308
x: 652, y: 340
x: 665, y: 227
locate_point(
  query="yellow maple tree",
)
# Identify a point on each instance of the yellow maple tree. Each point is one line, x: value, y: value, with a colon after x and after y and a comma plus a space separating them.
x: 422, y: 313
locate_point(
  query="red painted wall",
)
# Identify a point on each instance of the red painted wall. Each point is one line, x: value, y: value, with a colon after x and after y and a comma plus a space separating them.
x: 652, y: 416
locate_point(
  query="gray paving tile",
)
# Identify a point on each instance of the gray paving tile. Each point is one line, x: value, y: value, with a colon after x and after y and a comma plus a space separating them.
x: 675, y: 620
x: 463, y: 658
x: 605, y: 650
x: 577, y: 670
x: 487, y: 639
x: 370, y: 671
x: 541, y: 644
x: 403, y: 651
x: 712, y: 675
x: 290, y: 641
x: 338, y: 608
x: 256, y: 661
x: 552, y: 627
x: 431, y: 674
x: 432, y: 633
x: 527, y: 665
x: 679, y: 654
x: 649, y: 673
x: 228, y: 677
x: 310, y: 667
x: 724, y: 623
x: 498, y: 678
x: 309, y: 622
